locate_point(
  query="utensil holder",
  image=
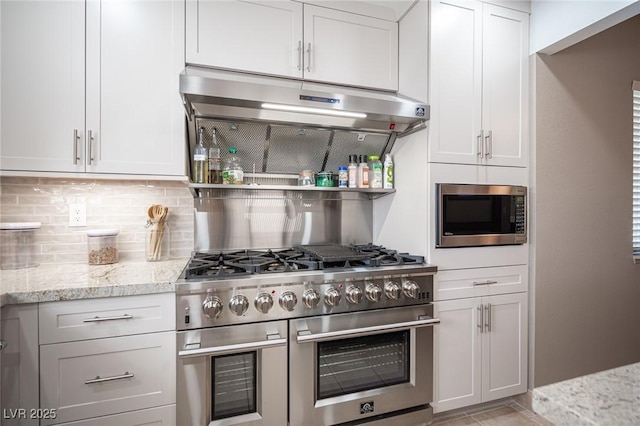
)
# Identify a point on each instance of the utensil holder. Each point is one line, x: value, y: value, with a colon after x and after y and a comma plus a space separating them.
x: 157, y: 242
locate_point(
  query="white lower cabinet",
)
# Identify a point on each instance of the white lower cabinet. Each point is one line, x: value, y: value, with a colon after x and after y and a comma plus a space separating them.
x: 109, y: 361
x: 104, y: 376
x: 19, y: 378
x: 480, y: 350
x: 160, y: 416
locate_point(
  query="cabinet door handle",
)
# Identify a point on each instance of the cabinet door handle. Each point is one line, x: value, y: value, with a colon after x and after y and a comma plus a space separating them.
x: 486, y: 282
x: 480, y: 319
x: 76, y: 137
x: 309, y: 57
x: 3, y: 344
x: 299, y: 55
x: 90, y: 148
x: 100, y: 319
x: 489, y: 144
x: 479, y: 143
x: 99, y: 379
x: 488, y: 323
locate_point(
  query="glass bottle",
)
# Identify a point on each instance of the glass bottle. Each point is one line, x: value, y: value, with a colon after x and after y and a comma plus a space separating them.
x: 200, y: 161
x: 363, y: 172
x: 215, y: 162
x: 352, y: 171
x: 232, y: 172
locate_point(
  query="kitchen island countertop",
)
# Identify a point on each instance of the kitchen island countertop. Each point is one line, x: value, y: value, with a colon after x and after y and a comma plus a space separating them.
x: 50, y: 282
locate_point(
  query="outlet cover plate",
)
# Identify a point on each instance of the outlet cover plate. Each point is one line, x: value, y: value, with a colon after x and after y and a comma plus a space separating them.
x: 77, y: 215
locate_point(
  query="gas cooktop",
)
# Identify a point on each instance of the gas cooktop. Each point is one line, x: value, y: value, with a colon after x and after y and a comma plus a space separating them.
x: 326, y: 257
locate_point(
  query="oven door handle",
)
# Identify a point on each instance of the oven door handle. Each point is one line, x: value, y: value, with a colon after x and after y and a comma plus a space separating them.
x: 238, y: 347
x: 305, y: 336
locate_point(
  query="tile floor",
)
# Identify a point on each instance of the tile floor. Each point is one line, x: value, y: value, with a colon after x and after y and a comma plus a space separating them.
x: 507, y: 414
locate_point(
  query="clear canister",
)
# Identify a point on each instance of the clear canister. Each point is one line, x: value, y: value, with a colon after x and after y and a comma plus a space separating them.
x: 306, y: 178
x: 18, y: 245
x: 157, y: 245
x: 102, y: 246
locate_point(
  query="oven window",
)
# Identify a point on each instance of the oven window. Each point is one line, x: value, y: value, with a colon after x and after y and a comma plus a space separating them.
x: 233, y: 385
x: 362, y: 363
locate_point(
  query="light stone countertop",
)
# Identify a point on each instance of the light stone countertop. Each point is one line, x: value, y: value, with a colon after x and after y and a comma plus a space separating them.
x: 610, y: 397
x: 48, y: 283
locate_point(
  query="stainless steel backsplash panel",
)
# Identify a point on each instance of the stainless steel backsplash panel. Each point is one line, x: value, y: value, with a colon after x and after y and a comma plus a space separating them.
x: 253, y: 219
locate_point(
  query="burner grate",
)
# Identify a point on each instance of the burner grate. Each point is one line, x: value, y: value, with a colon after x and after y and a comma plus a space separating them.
x: 222, y: 265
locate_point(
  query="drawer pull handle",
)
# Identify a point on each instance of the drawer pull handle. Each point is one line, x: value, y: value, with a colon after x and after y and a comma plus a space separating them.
x: 99, y: 379
x: 100, y: 319
x: 486, y: 282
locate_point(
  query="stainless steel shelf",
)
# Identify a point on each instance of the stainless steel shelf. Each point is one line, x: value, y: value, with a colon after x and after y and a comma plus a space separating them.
x: 371, y: 193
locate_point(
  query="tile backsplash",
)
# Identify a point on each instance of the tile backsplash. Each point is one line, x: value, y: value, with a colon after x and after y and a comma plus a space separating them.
x: 121, y: 204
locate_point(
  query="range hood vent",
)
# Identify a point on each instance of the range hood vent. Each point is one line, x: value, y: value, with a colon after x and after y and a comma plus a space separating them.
x: 225, y: 95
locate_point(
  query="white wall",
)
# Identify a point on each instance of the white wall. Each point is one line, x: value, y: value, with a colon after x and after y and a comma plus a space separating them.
x: 558, y: 24
x: 400, y: 220
x: 587, y: 288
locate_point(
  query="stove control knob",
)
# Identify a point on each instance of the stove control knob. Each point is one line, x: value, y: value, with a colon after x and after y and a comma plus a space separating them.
x: 354, y: 294
x: 263, y: 302
x: 374, y: 292
x: 332, y: 296
x: 411, y: 289
x: 392, y: 289
x: 288, y: 301
x: 310, y: 298
x: 239, y: 304
x: 212, y: 307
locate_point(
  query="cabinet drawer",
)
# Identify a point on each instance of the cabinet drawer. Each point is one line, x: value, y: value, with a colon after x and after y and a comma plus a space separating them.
x: 109, y: 317
x: 105, y: 376
x: 456, y: 284
x: 161, y: 416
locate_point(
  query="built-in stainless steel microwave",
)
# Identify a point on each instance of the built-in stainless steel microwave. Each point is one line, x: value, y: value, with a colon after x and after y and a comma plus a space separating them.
x: 470, y: 215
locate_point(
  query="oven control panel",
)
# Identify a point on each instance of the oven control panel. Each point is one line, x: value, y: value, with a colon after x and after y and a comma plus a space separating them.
x: 230, y: 302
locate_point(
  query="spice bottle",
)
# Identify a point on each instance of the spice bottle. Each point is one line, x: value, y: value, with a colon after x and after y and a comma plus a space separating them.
x: 387, y: 172
x: 215, y: 162
x: 343, y: 177
x: 352, y: 171
x: 200, y: 161
x: 232, y: 172
x: 363, y: 172
x: 375, y: 172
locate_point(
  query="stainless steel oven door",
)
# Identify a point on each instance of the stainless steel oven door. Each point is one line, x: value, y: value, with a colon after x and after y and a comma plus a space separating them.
x: 233, y: 375
x: 353, y: 366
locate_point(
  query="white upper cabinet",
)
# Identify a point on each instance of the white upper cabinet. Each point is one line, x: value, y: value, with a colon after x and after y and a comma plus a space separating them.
x: 42, y: 85
x: 260, y: 36
x: 478, y: 84
x: 287, y: 38
x: 115, y: 108
x: 351, y: 49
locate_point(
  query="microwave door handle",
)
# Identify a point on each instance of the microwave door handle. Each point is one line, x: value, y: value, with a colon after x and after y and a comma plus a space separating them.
x: 238, y: 347
x: 305, y: 336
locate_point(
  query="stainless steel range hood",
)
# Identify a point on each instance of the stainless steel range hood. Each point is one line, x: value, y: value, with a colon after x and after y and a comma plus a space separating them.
x: 228, y: 95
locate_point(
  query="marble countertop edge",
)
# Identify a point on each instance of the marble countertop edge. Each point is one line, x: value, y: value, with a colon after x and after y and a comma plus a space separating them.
x: 49, y: 283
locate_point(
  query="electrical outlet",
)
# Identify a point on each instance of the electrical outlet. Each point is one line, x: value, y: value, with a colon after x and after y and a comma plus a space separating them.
x: 77, y: 215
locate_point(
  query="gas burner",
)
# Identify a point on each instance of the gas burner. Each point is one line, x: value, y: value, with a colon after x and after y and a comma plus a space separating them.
x: 219, y: 265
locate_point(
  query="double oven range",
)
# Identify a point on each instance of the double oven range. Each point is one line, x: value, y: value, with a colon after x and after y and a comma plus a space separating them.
x: 311, y: 335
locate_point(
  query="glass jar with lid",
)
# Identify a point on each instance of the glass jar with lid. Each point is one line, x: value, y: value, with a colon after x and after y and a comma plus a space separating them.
x: 102, y: 246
